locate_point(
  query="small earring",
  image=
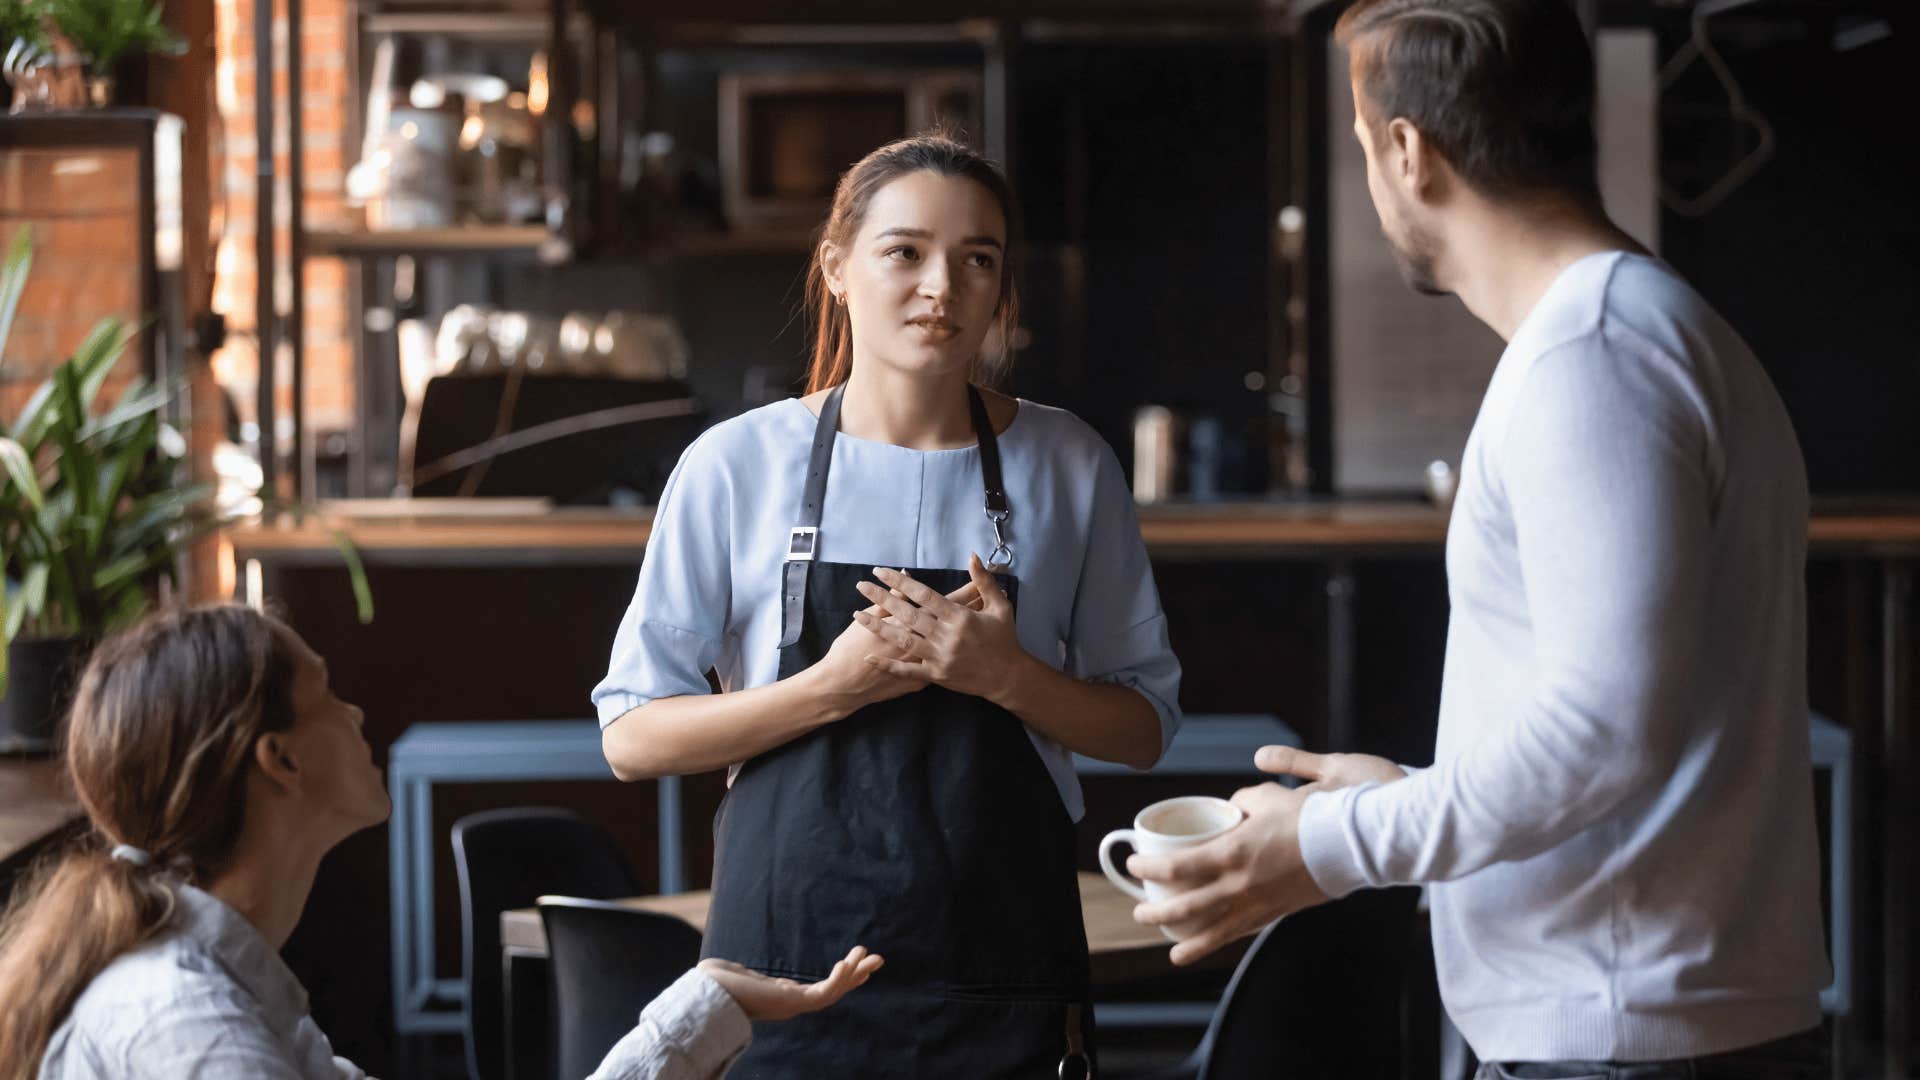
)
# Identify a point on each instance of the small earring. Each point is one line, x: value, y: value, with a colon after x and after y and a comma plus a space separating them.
x: 840, y: 298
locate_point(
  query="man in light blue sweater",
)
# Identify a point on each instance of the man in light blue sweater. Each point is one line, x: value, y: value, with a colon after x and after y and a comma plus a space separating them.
x: 1618, y: 828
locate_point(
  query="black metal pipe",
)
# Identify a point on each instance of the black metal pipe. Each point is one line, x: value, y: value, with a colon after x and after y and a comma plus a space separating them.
x: 1897, y: 812
x: 266, y: 325
x: 303, y: 466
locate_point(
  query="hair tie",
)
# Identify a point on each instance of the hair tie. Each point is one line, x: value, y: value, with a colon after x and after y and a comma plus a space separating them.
x: 129, y: 853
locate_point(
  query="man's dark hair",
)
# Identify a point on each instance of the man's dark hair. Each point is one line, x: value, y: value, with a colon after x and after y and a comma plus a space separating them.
x: 1503, y: 88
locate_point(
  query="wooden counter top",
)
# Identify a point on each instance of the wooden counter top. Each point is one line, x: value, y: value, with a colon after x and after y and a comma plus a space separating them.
x: 1250, y: 530
x: 34, y: 802
x: 1121, y: 949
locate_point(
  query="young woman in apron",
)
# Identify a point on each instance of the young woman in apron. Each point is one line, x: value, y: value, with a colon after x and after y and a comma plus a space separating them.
x: 900, y: 718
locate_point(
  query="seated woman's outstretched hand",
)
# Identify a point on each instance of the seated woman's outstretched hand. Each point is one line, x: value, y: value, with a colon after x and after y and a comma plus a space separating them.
x: 763, y: 997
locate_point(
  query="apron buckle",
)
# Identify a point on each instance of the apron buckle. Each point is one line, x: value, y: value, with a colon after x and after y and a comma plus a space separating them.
x: 802, y: 542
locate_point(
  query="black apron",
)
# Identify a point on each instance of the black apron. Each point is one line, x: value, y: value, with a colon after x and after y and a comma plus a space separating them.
x: 925, y: 828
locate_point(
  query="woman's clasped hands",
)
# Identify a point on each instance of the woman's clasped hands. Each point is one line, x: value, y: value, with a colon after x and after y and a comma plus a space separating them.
x: 969, y: 649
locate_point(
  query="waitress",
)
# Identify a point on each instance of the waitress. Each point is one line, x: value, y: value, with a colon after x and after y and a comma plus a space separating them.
x: 920, y: 598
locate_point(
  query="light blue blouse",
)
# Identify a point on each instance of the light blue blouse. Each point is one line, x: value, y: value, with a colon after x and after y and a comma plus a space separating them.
x: 709, y: 591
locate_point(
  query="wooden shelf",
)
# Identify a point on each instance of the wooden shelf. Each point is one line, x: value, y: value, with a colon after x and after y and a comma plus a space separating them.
x: 529, y: 28
x: 1251, y: 530
x: 733, y: 242
x: 476, y: 239
x: 454, y: 240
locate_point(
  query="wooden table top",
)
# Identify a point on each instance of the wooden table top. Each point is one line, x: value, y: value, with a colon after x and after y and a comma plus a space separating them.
x: 34, y: 801
x: 1122, y: 950
x: 515, y: 530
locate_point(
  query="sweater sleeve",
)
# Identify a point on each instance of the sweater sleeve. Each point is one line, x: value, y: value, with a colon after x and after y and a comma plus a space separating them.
x: 1606, y: 471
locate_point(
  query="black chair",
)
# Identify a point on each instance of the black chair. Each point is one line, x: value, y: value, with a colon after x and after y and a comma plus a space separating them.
x: 508, y: 859
x: 608, y: 962
x: 1318, y: 996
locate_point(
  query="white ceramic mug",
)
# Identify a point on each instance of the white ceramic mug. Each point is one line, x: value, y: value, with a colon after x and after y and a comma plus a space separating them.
x: 1168, y: 825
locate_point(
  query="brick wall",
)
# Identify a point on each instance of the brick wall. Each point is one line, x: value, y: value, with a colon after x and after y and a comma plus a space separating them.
x: 84, y: 210
x: 329, y: 358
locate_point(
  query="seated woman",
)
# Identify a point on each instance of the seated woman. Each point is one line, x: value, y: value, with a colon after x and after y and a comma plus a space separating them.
x: 217, y: 768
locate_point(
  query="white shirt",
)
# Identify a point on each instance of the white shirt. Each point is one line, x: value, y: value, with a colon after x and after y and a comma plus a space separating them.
x: 210, y: 999
x: 709, y: 589
x: 1619, y: 822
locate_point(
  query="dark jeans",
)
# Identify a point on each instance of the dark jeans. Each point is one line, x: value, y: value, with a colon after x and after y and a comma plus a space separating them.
x: 1797, y: 1057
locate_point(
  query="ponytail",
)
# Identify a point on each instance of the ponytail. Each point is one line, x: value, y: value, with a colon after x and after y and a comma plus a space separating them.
x: 74, y: 915
x: 158, y: 745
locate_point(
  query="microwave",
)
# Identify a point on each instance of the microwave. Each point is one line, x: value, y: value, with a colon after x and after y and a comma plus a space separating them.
x: 786, y: 137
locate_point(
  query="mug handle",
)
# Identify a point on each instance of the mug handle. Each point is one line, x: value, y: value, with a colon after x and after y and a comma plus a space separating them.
x: 1124, y: 883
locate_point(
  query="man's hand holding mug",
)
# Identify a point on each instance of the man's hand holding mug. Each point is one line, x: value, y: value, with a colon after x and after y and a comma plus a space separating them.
x: 1238, y: 880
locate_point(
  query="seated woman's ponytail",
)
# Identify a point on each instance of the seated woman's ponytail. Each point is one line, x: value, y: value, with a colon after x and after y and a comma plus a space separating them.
x: 157, y: 746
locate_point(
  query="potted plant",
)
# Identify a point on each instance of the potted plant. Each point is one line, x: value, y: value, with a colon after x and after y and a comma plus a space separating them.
x: 26, y: 54
x: 105, y: 31
x: 93, y: 515
x: 23, y: 22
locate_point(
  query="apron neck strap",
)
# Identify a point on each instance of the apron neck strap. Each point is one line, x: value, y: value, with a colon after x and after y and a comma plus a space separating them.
x: 813, y: 498
x: 989, y: 454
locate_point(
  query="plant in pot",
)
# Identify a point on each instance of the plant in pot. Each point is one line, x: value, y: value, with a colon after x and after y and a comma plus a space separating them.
x: 93, y: 514
x: 26, y: 54
x: 94, y: 517
x: 23, y: 23
x: 106, y: 31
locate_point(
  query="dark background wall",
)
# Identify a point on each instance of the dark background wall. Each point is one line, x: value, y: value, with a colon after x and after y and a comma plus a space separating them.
x: 1143, y: 178
x: 1816, y: 259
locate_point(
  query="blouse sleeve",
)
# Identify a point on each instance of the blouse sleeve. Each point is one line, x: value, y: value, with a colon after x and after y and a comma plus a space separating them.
x: 1119, y: 633
x: 672, y: 631
x: 693, y: 1031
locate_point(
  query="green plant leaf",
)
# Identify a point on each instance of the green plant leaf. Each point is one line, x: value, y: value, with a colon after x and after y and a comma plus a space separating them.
x: 156, y: 512
x: 92, y: 361
x: 96, y: 358
x: 113, y: 481
x: 104, y: 30
x: 153, y: 400
x: 13, y: 280
x: 77, y: 467
x: 32, y: 599
x: 133, y: 568
x: 19, y: 469
x: 22, y: 20
x: 357, y: 574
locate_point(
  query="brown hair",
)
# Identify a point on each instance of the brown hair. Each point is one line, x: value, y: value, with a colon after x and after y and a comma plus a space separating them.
x: 158, y: 745
x: 1503, y: 88
x: 934, y: 151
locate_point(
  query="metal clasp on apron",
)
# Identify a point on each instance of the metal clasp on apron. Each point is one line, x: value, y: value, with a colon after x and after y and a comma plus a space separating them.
x: 1002, y: 555
x: 802, y: 542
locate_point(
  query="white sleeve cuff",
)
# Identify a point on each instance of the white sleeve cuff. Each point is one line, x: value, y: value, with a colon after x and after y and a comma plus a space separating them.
x: 1325, y: 845
x: 693, y: 1031
x: 702, y: 1017
x: 617, y: 704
